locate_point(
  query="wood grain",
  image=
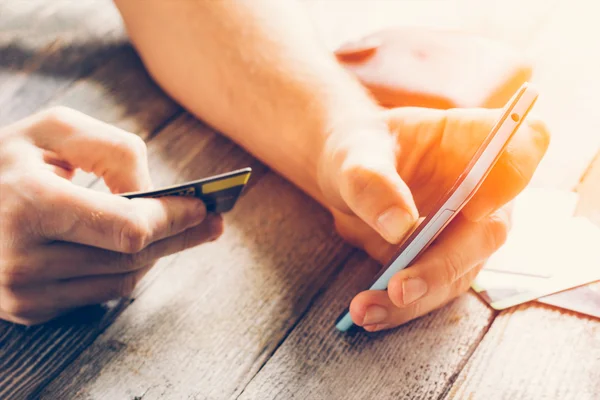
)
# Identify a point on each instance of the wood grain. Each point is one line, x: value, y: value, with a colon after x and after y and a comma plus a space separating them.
x: 118, y: 92
x: 251, y: 315
x: 24, y: 370
x: 46, y: 45
x: 416, y: 361
x: 209, y: 320
x: 536, y: 351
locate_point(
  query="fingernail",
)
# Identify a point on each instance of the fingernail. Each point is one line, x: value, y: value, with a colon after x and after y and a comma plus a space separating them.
x: 413, y: 289
x: 393, y: 224
x: 374, y: 315
x: 377, y: 327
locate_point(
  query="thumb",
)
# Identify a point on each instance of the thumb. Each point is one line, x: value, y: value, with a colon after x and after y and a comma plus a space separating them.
x: 370, y: 186
x: 117, y: 156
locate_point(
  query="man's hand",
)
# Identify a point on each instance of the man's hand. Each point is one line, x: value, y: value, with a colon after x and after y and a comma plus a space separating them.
x: 64, y: 246
x: 376, y: 179
x: 286, y: 100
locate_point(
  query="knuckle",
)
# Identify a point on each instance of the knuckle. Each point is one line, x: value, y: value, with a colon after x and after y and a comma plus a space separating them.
x: 134, y: 234
x: 344, y: 231
x: 497, y: 229
x: 59, y: 116
x: 36, y: 187
x: 358, y: 180
x: 520, y: 171
x: 20, y: 196
x: 131, y: 148
x: 11, y: 274
x: 139, y: 145
x: 415, y: 311
x: 540, y: 134
x: 127, y: 262
x: 395, y: 292
x: 14, y: 305
x: 125, y: 285
x: 217, y: 228
x: 464, y: 284
x: 451, y: 267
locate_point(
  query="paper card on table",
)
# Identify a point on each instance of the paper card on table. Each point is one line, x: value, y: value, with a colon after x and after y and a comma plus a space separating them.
x: 537, y: 216
x: 583, y: 299
x: 543, y: 255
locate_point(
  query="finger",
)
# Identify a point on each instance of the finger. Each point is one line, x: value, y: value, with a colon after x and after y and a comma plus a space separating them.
x: 432, y: 279
x: 372, y: 189
x: 440, y: 143
x: 356, y: 232
x: 398, y: 316
x: 119, y: 157
x: 513, y: 171
x: 74, y: 214
x: 35, y: 303
x: 60, y: 260
x: 59, y: 166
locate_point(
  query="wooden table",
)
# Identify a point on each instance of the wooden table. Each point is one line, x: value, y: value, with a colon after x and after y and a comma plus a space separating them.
x: 250, y: 316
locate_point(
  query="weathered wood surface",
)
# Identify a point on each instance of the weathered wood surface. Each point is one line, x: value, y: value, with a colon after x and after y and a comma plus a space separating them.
x: 105, y: 80
x: 219, y: 311
x: 535, y: 351
x: 46, y: 45
x: 418, y: 360
x: 251, y: 315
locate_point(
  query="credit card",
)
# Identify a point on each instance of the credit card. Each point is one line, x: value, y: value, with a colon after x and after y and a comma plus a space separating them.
x: 219, y: 193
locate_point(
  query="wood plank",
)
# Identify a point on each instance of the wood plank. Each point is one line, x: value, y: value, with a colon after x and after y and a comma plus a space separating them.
x: 118, y: 92
x: 415, y: 361
x: 147, y: 321
x: 46, y: 46
x: 536, y: 351
x: 113, y: 367
x: 31, y: 357
x: 144, y: 114
x: 24, y: 371
x: 419, y: 360
x: 208, y: 322
x: 42, y: 64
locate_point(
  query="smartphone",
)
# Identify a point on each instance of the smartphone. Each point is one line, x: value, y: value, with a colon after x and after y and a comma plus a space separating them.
x: 219, y: 193
x: 460, y: 193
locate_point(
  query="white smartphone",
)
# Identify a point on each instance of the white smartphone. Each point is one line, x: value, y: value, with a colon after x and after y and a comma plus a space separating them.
x: 461, y: 192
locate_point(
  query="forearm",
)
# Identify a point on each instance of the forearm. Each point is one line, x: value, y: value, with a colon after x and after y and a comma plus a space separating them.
x: 254, y: 70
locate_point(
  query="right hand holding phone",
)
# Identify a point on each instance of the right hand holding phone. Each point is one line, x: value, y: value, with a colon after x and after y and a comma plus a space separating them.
x: 63, y: 246
x: 376, y: 177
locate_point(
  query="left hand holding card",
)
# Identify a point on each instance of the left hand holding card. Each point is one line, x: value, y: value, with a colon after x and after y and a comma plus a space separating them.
x: 219, y: 193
